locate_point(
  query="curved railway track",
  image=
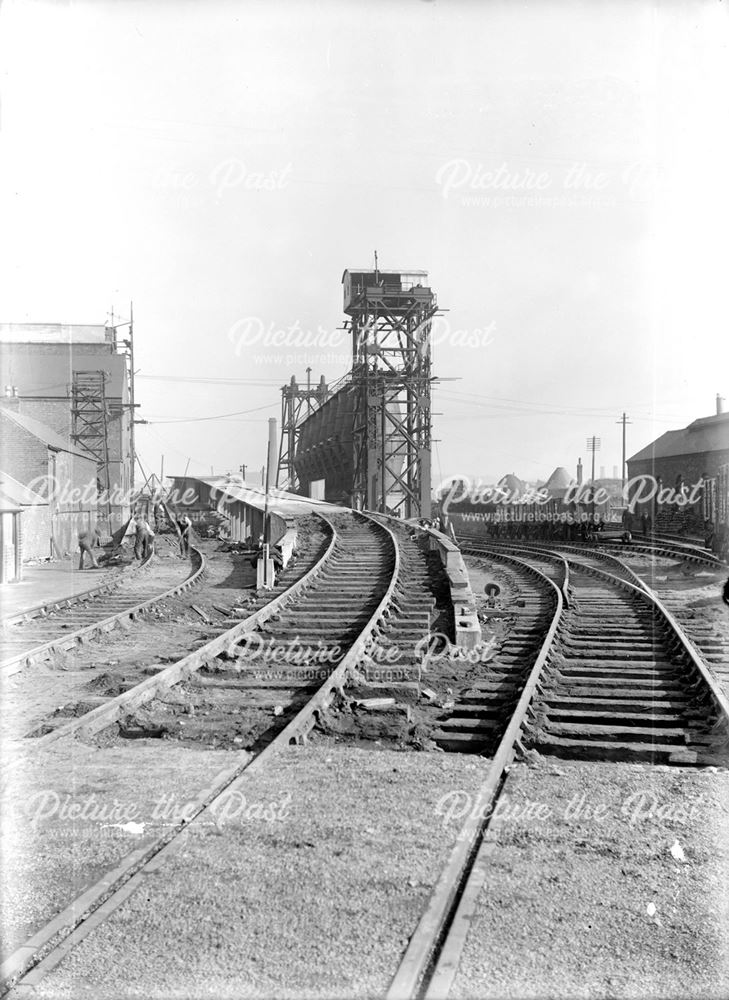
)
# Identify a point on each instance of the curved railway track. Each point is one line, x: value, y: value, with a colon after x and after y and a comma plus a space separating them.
x: 661, y: 547
x: 330, y: 607
x: 481, y: 710
x: 60, y: 625
x: 644, y: 696
x: 711, y: 645
x: 626, y: 683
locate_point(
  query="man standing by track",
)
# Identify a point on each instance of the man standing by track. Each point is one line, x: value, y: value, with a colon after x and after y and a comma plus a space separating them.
x: 184, y: 524
x: 144, y: 540
x: 87, y: 538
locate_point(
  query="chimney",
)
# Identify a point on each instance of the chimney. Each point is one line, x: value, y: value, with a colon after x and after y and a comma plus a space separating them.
x: 719, y: 405
x: 579, y: 472
x: 615, y: 472
x: 602, y: 472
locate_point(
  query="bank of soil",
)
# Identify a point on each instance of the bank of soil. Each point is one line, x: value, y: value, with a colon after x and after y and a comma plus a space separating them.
x: 606, y: 880
x: 310, y: 886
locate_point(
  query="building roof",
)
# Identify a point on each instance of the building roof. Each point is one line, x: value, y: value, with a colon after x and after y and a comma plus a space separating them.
x: 704, y: 434
x: 54, y: 333
x: 49, y: 437
x: 512, y: 483
x: 17, y: 493
x: 409, y: 271
x: 559, y: 480
x: 7, y: 504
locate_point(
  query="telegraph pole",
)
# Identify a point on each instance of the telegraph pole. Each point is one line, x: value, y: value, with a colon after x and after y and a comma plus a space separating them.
x: 624, y: 420
x: 131, y: 385
x: 593, y: 445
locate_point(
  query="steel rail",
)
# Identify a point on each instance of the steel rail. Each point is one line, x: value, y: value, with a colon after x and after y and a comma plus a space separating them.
x: 44, y: 651
x: 99, y: 718
x: 668, y: 552
x: 720, y: 699
x: 42, y: 610
x: 525, y: 546
x: 434, y: 922
x: 687, y: 554
x: 431, y: 961
x: 45, y: 949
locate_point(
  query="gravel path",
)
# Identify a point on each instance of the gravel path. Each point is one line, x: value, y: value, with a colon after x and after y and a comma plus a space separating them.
x: 308, y: 888
x: 584, y: 897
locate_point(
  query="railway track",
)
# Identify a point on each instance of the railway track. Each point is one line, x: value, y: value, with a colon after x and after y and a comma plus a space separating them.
x: 60, y: 625
x: 625, y: 682
x: 708, y: 640
x: 644, y: 696
x: 482, y: 709
x: 330, y: 607
x: 664, y: 550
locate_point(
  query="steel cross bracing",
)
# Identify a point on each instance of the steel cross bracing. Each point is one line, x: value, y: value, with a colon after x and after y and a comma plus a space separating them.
x: 297, y: 403
x: 391, y: 361
x: 90, y: 423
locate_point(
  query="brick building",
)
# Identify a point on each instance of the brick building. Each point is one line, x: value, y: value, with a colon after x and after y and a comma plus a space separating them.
x: 684, y: 461
x: 45, y: 373
x: 59, y: 472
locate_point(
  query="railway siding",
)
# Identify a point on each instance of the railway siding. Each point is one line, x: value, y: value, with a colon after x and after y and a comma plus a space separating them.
x: 52, y: 942
x: 107, y: 609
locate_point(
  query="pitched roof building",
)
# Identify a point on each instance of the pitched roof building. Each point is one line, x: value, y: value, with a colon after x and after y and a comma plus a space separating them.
x: 692, y: 453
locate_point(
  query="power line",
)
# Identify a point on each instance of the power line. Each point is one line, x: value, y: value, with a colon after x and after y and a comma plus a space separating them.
x: 219, y: 416
x: 211, y: 381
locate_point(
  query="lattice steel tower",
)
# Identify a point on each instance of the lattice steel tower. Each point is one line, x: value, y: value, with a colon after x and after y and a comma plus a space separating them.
x: 390, y: 320
x: 90, y: 423
x: 297, y: 403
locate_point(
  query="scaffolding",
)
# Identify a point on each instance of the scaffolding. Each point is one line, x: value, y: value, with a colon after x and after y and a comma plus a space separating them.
x: 90, y: 412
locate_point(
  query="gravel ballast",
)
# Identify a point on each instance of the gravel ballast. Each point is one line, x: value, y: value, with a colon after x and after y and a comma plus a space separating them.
x: 70, y: 814
x: 309, y: 887
x: 587, y: 895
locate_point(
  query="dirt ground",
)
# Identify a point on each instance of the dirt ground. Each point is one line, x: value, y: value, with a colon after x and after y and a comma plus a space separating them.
x: 72, y: 813
x: 38, y: 698
x: 447, y: 676
x: 607, y: 880
x: 692, y: 593
x: 310, y: 886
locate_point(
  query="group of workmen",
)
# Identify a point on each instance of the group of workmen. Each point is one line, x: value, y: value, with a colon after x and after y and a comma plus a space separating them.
x: 144, y: 535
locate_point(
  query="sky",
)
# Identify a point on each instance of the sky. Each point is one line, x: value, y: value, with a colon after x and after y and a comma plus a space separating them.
x: 560, y: 170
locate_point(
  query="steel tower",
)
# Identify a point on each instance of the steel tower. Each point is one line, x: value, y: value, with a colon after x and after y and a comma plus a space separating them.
x: 390, y: 321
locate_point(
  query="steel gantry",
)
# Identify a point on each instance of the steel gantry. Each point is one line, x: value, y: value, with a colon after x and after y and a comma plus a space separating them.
x: 390, y: 322
x: 297, y: 402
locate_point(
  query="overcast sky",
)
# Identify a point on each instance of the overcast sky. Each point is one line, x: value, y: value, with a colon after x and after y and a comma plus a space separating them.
x: 561, y: 170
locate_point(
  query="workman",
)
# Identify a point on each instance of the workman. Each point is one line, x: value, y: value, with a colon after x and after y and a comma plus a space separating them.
x: 184, y: 524
x: 144, y: 540
x: 87, y: 538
